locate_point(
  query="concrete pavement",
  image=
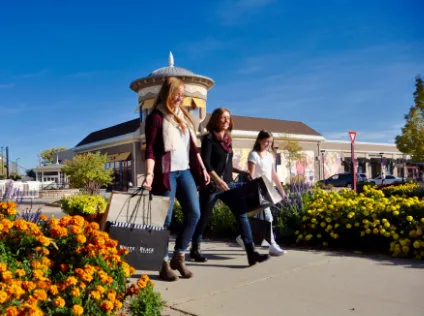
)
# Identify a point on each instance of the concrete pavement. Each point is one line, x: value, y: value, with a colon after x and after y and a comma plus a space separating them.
x: 300, y: 283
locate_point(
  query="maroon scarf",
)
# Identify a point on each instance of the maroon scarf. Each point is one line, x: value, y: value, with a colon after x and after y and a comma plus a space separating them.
x: 225, y: 141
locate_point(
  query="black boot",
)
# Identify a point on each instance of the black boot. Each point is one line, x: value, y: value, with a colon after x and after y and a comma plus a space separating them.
x: 253, y: 256
x: 196, y: 255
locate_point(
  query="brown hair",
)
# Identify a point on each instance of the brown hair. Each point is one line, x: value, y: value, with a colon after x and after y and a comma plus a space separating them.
x: 214, y: 120
x: 263, y: 134
x: 166, y: 95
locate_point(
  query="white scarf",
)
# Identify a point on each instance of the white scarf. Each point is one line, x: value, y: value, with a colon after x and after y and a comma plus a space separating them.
x: 172, y: 130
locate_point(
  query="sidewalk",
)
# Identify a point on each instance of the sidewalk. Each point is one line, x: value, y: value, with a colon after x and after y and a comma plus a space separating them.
x: 301, y: 283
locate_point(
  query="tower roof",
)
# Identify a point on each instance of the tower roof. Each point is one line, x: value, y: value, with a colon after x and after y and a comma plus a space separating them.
x: 171, y: 71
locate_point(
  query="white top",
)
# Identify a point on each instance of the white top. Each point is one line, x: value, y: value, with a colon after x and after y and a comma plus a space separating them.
x: 180, y: 156
x: 263, y: 165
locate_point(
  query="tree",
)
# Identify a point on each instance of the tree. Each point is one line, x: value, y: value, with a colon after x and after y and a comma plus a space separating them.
x: 411, y: 141
x: 30, y: 173
x: 293, y: 153
x: 48, y: 154
x: 87, y: 172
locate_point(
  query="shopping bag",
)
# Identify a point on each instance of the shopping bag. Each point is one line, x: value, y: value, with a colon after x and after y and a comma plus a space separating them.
x: 261, y: 229
x: 146, y: 244
x: 251, y: 197
x: 131, y: 207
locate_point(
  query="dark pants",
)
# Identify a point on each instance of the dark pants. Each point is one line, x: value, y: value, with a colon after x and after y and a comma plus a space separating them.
x: 207, y: 202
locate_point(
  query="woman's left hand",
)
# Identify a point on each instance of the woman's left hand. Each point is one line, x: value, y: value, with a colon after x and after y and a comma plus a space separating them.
x: 206, y: 176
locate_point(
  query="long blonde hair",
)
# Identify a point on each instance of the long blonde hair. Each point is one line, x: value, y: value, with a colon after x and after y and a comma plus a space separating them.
x: 166, y: 96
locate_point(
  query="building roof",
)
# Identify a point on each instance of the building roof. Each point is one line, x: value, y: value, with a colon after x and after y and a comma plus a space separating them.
x: 170, y: 71
x: 113, y: 131
x: 246, y: 123
x: 243, y: 123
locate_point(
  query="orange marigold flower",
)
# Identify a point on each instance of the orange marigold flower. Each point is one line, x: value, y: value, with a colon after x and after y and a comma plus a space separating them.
x: 77, y: 230
x: 78, y: 309
x: 59, y: 302
x: 11, y: 211
x: 35, y: 264
x: 7, y: 275
x: 40, y: 294
x: 43, y: 217
x: 54, y: 290
x: 3, y: 297
x: 20, y: 225
x: 44, y: 284
x: 107, y: 305
x: 100, y: 288
x: 117, y: 304
x: 20, y: 272
x: 76, y: 292
x: 77, y: 220
x: 37, y: 274
x: 95, y: 295
x: 53, y: 221
x: 28, y: 285
x: 111, y: 295
x: 3, y: 267
x: 94, y: 225
x: 65, y: 220
x: 45, y: 241
x: 63, y: 267
x: 81, y: 239
x: 12, y: 311
x: 71, y: 281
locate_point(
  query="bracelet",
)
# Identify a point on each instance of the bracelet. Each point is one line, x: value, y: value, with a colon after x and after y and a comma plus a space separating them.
x: 149, y: 174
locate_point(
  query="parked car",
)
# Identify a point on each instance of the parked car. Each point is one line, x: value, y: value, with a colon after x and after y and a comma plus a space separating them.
x: 389, y: 179
x: 362, y: 177
x: 338, y: 180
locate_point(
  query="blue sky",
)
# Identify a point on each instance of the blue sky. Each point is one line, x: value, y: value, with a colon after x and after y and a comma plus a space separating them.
x: 65, y: 67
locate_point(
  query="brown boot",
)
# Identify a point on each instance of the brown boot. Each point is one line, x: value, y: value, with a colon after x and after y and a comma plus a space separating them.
x: 166, y: 273
x: 178, y: 263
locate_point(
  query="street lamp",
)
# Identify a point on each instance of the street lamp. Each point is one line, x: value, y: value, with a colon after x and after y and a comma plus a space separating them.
x: 322, y: 161
x: 16, y: 163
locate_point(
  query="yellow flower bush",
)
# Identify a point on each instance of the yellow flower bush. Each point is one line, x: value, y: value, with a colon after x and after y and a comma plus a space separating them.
x: 365, y: 220
x: 61, y: 266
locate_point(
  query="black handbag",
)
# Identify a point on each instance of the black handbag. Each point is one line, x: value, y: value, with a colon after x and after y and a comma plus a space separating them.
x: 146, y: 243
x: 251, y: 197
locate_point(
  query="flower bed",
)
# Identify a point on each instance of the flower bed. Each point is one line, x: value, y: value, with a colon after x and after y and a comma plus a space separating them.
x: 346, y: 219
x: 63, y: 267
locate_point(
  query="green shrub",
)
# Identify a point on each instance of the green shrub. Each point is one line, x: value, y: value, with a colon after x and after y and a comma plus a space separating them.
x: 83, y: 204
x: 147, y: 302
x: 221, y: 224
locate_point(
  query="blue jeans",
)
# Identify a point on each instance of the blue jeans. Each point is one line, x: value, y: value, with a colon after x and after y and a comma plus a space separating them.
x: 207, y: 202
x: 184, y: 189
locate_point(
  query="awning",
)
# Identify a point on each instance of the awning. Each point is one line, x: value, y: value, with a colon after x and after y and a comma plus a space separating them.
x: 200, y: 103
x: 119, y: 157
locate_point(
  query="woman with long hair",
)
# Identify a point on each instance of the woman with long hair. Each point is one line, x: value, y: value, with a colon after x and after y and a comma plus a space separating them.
x: 217, y: 154
x: 174, y: 167
x: 260, y: 163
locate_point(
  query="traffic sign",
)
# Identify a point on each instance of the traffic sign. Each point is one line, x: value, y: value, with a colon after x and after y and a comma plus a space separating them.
x: 352, y: 135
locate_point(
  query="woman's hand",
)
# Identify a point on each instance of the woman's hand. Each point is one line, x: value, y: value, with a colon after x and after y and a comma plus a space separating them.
x: 222, y: 185
x: 147, y: 183
x: 206, y: 176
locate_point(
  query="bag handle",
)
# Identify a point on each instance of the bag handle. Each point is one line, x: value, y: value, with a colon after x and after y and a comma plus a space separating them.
x: 147, y: 218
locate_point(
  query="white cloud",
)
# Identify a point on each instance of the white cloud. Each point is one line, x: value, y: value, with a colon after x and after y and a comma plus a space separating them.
x: 6, y: 85
x: 230, y: 12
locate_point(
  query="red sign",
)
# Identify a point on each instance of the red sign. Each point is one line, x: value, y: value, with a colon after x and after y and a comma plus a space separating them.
x: 352, y: 135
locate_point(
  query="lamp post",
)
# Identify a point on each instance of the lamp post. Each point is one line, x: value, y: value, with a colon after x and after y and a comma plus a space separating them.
x: 16, y: 164
x: 323, y: 163
x: 2, y: 161
x: 383, y: 172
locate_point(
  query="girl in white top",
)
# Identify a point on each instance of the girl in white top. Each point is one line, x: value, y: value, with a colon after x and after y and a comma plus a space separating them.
x: 261, y: 163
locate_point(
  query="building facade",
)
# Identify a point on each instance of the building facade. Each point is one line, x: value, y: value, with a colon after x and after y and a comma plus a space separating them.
x: 321, y: 158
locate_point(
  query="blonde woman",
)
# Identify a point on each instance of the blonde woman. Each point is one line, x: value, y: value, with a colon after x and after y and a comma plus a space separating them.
x: 174, y: 167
